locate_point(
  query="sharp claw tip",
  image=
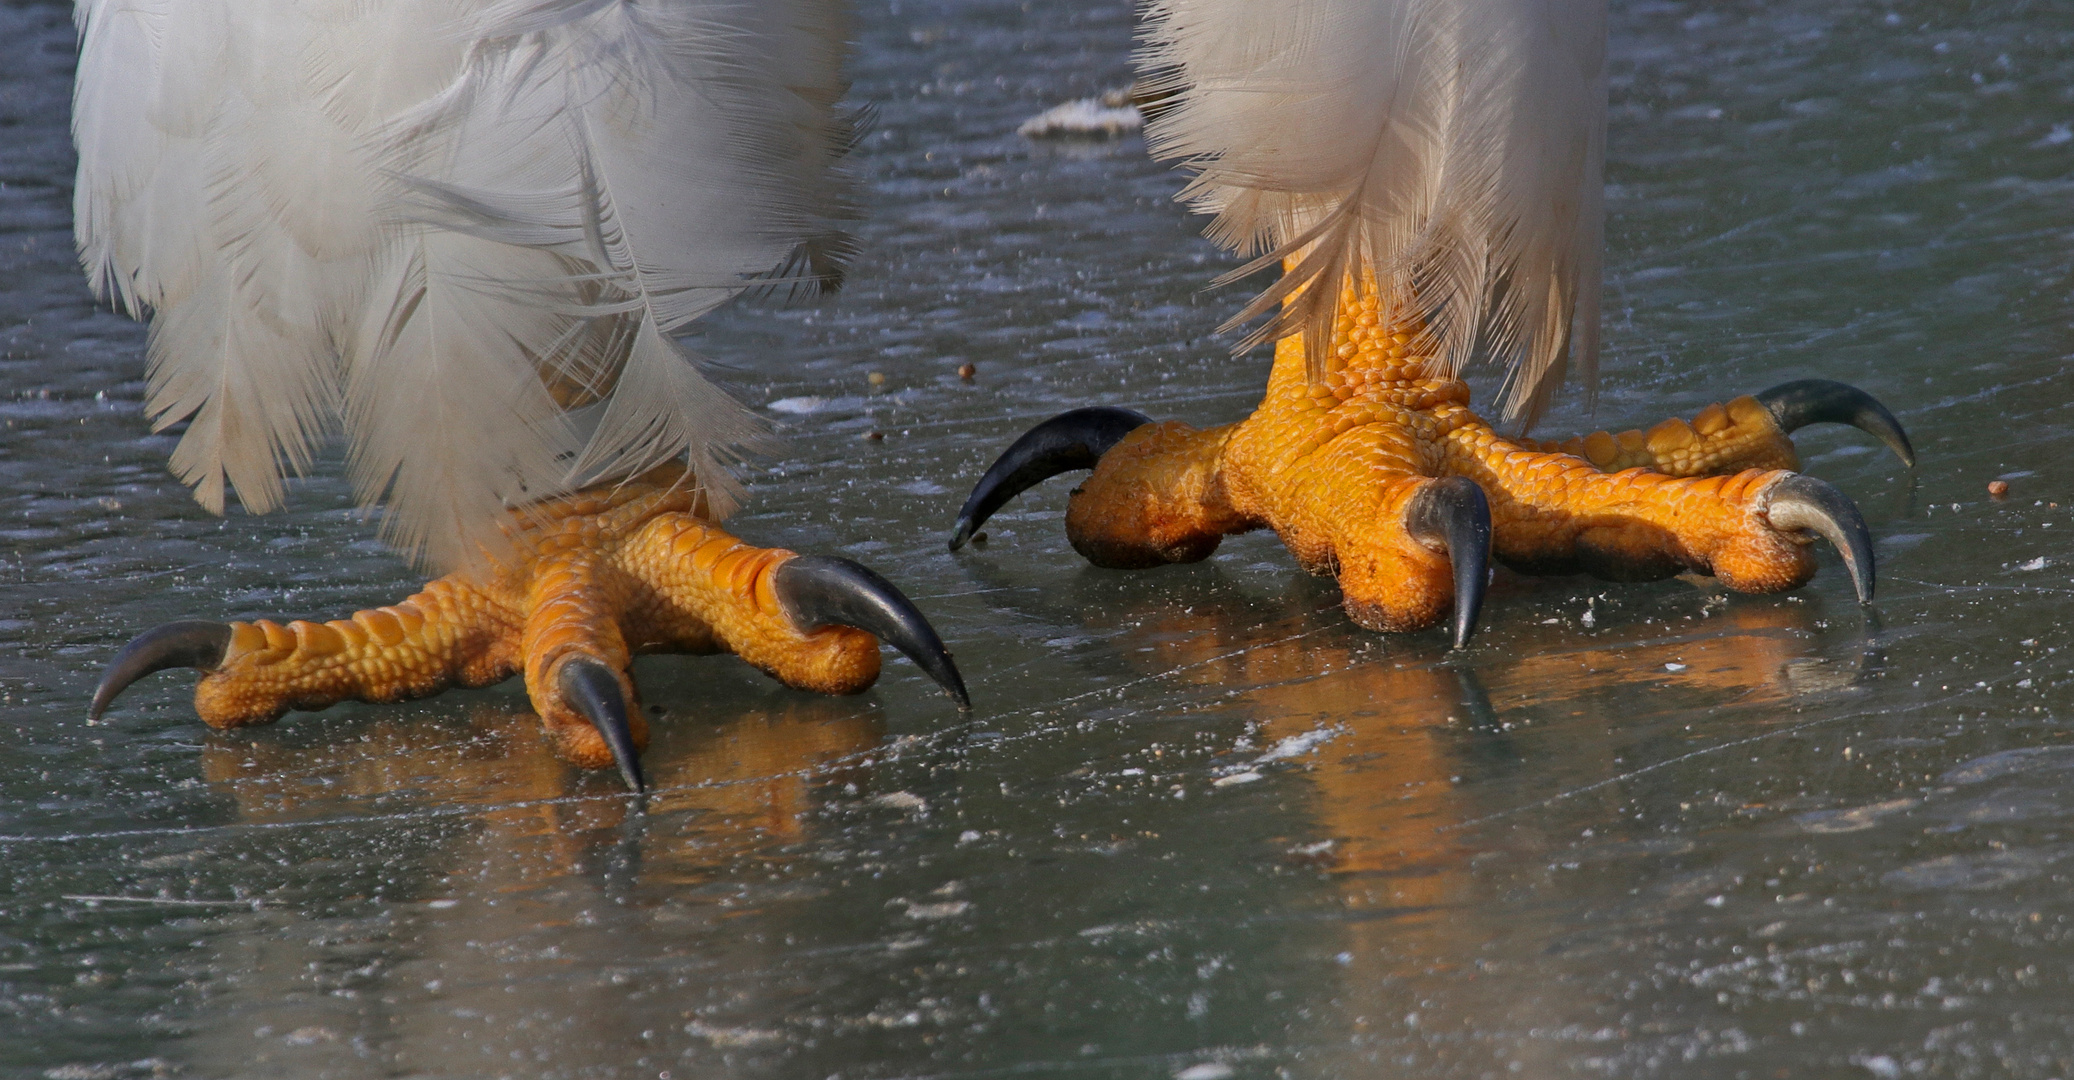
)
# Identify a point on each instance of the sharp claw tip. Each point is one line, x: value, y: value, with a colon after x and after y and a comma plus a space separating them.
x: 1824, y: 401
x: 819, y: 590
x: 593, y: 690
x: 1075, y: 439
x: 1806, y: 503
x: 186, y: 643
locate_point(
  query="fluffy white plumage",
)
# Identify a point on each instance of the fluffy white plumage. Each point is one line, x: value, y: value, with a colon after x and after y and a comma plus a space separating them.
x: 462, y: 231
x: 1454, y: 147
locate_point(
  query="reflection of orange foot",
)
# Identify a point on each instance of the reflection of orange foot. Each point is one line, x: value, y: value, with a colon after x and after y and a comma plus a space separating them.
x: 598, y: 577
x: 1379, y: 474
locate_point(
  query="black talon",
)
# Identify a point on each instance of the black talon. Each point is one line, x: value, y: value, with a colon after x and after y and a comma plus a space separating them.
x: 820, y: 590
x: 1803, y: 502
x: 1068, y: 441
x: 1823, y: 401
x: 187, y: 643
x: 1453, y: 513
x: 593, y: 689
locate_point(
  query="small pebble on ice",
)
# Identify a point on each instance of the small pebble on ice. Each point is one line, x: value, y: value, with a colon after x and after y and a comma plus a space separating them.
x: 1236, y: 778
x: 901, y: 800
x: 1674, y: 667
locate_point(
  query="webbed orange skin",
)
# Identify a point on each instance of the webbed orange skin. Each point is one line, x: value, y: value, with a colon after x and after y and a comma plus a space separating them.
x: 602, y: 574
x: 1331, y: 466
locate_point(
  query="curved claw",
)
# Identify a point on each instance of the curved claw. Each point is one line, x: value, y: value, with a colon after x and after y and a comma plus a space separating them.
x: 187, y: 643
x: 593, y: 689
x: 1823, y: 401
x: 1453, y: 513
x: 821, y: 590
x: 1068, y: 441
x: 1803, y: 502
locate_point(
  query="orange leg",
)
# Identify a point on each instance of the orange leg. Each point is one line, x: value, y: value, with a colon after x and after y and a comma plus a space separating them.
x: 599, y: 576
x: 1362, y: 474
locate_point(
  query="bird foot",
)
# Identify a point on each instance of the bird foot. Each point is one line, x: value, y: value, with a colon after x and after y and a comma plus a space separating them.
x: 596, y: 578
x: 1379, y: 474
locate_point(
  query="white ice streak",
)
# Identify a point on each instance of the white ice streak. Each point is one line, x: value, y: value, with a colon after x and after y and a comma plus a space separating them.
x: 1298, y: 745
x: 1095, y: 117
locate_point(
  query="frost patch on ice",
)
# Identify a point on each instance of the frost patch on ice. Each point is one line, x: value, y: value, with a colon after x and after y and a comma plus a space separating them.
x: 1246, y: 777
x: 798, y: 406
x: 2039, y: 563
x: 1974, y: 872
x: 1208, y: 1070
x: 1297, y: 745
x: 1852, y: 820
x: 902, y: 800
x: 732, y: 1038
x: 1142, y: 926
x: 949, y: 910
x: 2008, y: 762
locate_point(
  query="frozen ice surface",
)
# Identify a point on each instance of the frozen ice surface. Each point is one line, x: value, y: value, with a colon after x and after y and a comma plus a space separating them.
x: 1835, y: 843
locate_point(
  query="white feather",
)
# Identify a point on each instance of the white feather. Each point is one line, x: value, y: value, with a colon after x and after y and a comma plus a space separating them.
x: 443, y: 224
x: 1454, y: 148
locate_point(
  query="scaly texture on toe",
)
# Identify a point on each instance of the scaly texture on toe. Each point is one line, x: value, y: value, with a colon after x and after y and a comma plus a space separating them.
x: 599, y: 576
x: 1346, y: 469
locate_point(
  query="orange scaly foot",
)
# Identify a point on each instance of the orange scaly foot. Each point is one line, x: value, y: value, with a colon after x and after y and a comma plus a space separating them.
x: 597, y: 577
x: 1379, y: 474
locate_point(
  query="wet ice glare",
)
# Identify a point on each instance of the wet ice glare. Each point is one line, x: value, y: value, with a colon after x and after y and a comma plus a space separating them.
x: 1635, y: 830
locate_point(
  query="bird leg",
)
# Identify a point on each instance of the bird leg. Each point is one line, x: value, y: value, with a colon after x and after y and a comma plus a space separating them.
x: 598, y: 577
x: 1379, y: 474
